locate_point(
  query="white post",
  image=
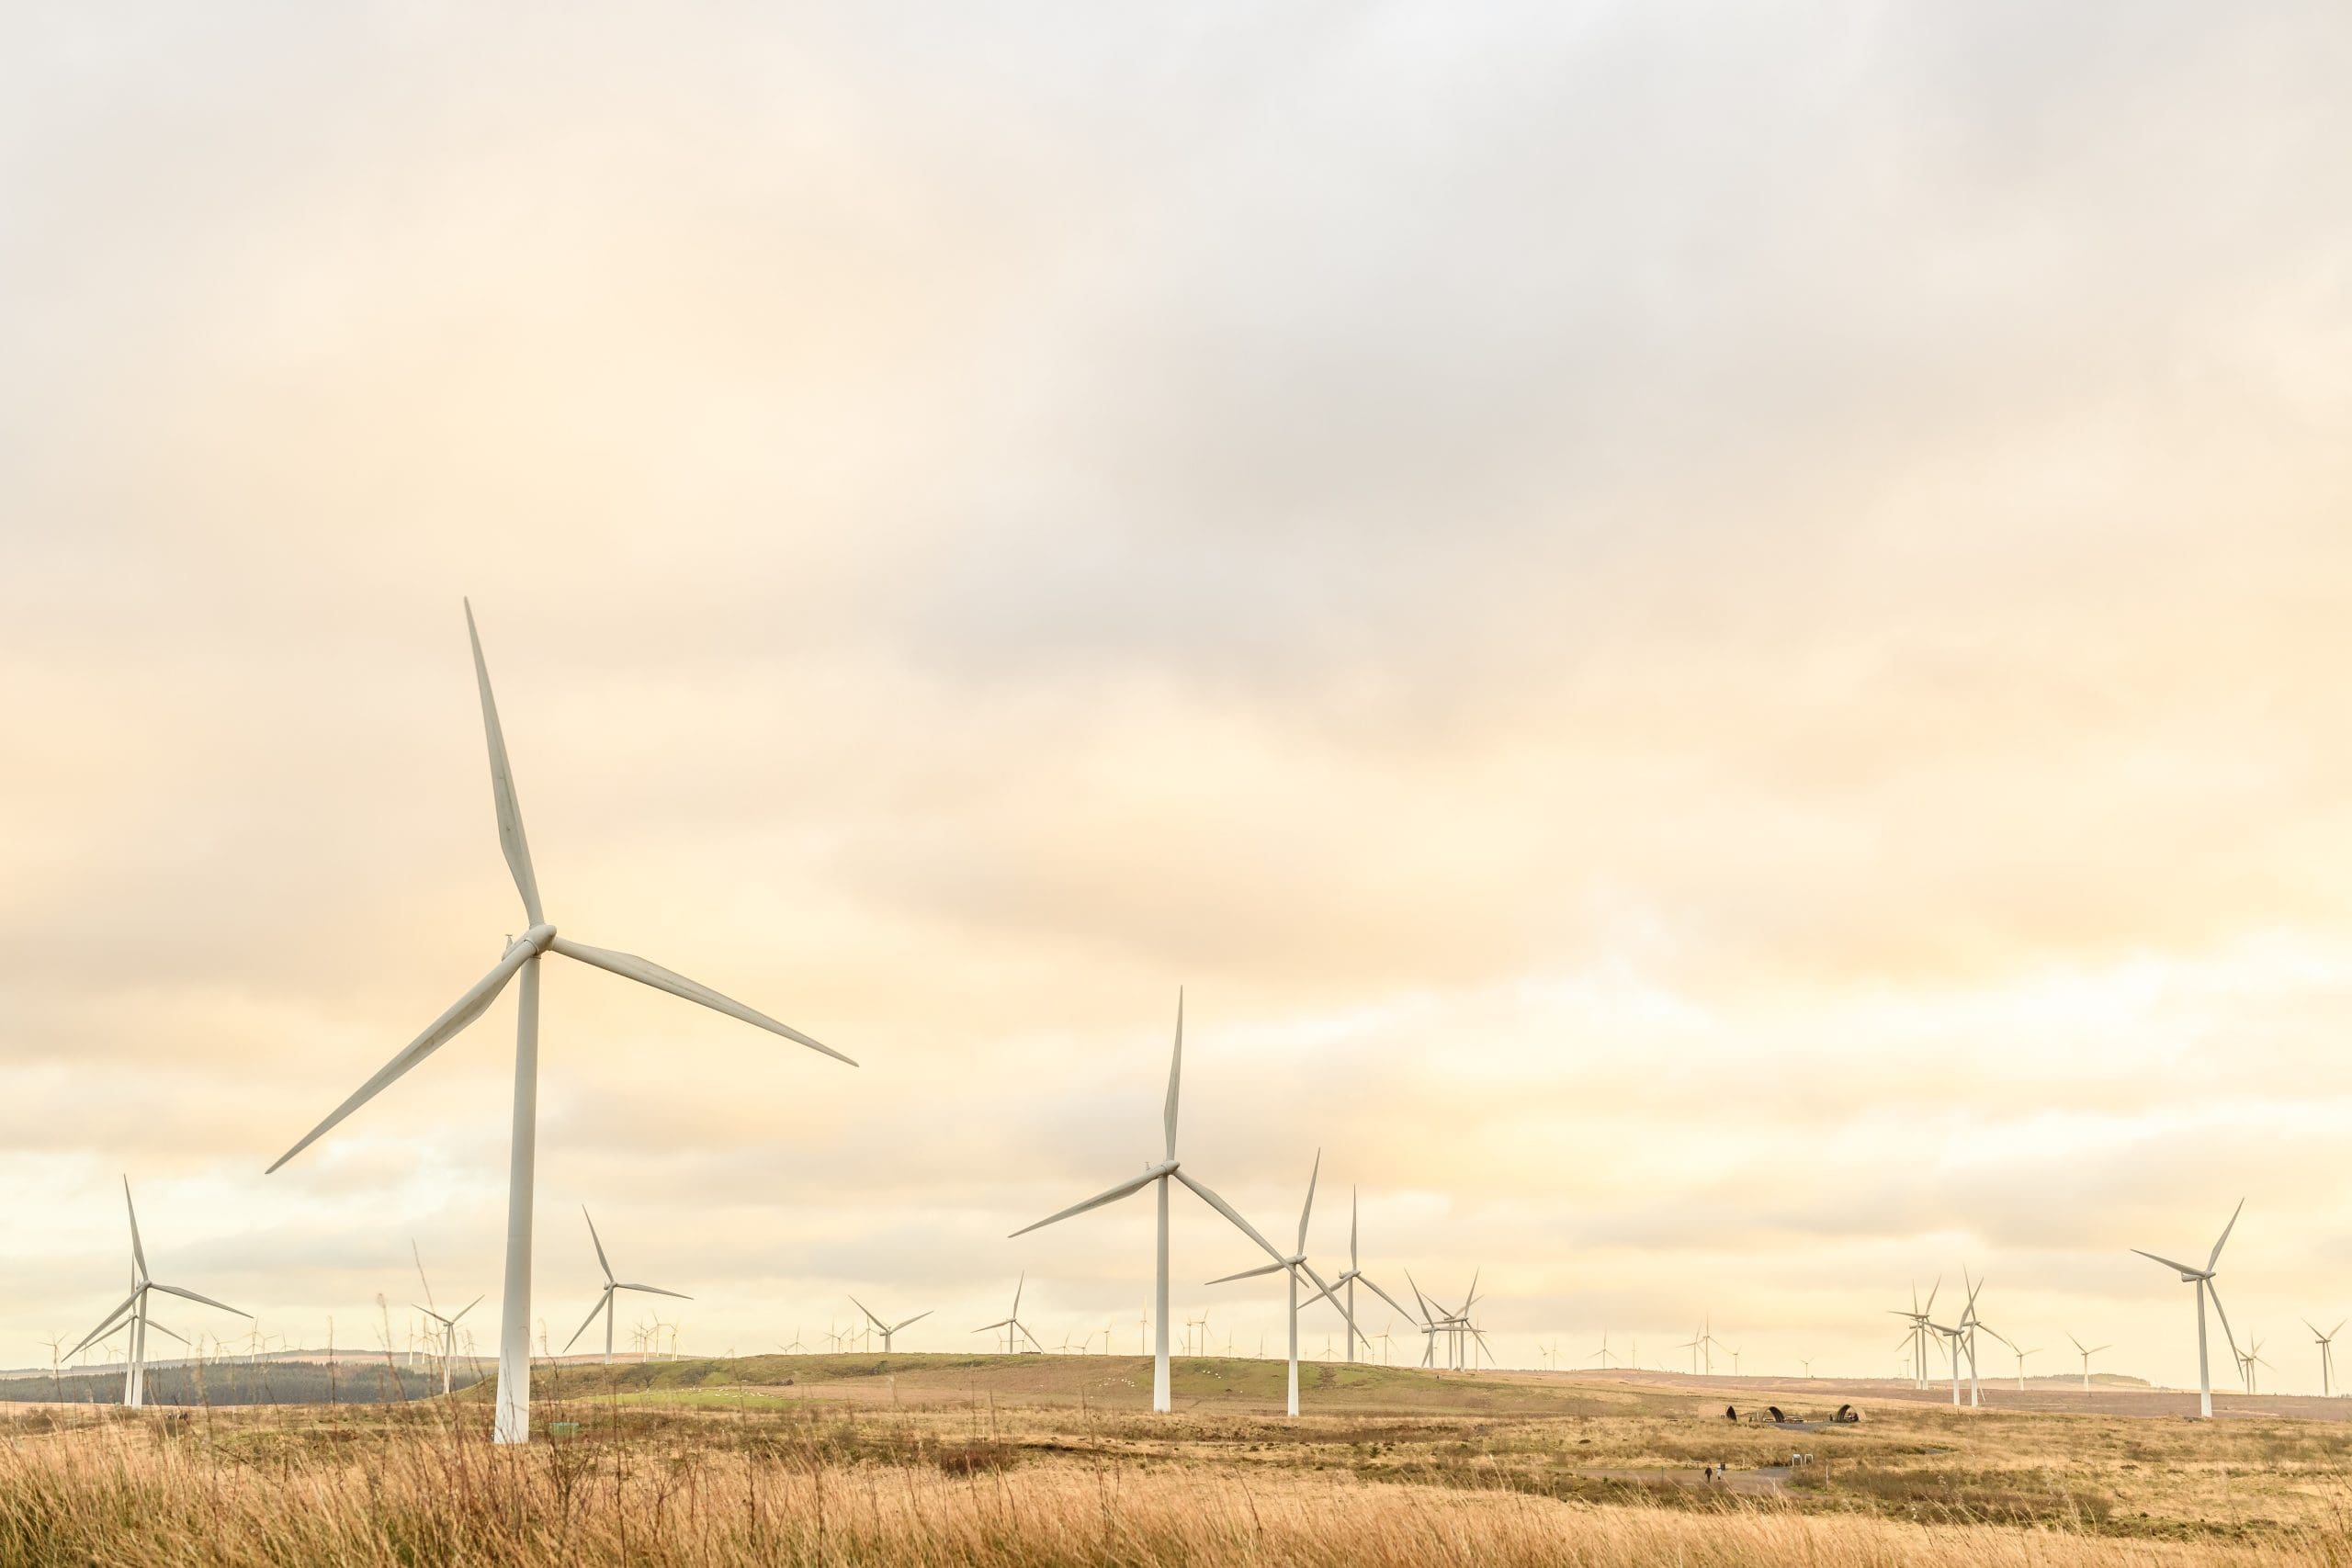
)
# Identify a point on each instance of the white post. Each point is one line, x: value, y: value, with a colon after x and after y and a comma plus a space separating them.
x: 1351, y: 1321
x: 1293, y: 1340
x: 1159, y: 1311
x: 514, y: 1425
x: 608, y: 1328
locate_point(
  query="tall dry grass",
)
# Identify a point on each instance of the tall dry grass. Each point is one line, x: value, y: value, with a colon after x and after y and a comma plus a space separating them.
x: 136, y: 1493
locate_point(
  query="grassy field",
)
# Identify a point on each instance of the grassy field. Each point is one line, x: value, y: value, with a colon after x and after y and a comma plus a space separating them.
x: 1055, y: 1459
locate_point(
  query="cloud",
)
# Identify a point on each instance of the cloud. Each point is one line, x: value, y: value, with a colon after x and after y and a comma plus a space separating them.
x: 1708, y: 641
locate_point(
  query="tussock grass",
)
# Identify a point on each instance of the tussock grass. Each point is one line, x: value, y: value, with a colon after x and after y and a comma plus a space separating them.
x: 783, y: 1474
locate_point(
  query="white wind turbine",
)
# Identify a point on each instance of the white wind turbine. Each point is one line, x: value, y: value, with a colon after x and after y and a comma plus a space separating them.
x: 1014, y: 1329
x: 612, y: 1287
x: 2248, y: 1361
x: 888, y: 1329
x: 1169, y: 1169
x: 522, y: 957
x: 1602, y: 1354
x: 2326, y: 1343
x: 1919, y: 1316
x: 1349, y: 1278
x: 133, y: 1314
x: 448, y: 1335
x: 1293, y: 1266
x: 2202, y: 1279
x: 2087, y: 1351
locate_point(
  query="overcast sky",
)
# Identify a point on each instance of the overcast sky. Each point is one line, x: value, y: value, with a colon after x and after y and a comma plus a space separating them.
x: 1712, y: 640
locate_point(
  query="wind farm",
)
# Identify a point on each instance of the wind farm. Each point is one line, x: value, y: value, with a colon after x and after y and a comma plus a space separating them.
x: 1692, y: 654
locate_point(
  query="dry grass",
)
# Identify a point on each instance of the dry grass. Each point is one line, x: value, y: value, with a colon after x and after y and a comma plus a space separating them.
x: 696, y: 1475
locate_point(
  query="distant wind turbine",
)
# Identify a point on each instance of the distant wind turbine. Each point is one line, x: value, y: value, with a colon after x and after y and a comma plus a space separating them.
x: 2326, y: 1343
x: 2088, y: 1351
x: 133, y: 1314
x: 611, y: 1288
x: 2202, y: 1279
x: 1292, y: 1266
x: 1014, y: 1329
x: 1159, y: 1176
x: 888, y: 1330
x: 522, y: 957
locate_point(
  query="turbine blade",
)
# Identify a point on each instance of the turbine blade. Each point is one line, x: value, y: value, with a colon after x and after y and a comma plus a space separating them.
x: 1019, y: 1285
x: 467, y: 1308
x: 207, y: 1300
x: 1227, y: 1209
x: 2184, y: 1267
x: 501, y: 784
x: 599, y: 1242
x: 1246, y: 1274
x: 1328, y: 1291
x: 1175, y: 1072
x: 2208, y: 1286
x: 138, y: 1253
x: 869, y: 1315
x: 1000, y: 1323
x: 1351, y: 1230
x: 1384, y: 1295
x: 183, y: 1338
x: 1309, y: 1207
x: 647, y: 972
x: 1111, y: 1195
x: 655, y: 1291
x: 106, y: 1326
x: 2226, y: 1229
x: 917, y: 1318
x: 602, y: 1302
x: 437, y: 1033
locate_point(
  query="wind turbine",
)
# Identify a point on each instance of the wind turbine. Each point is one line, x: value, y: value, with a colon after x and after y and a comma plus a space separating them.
x: 888, y: 1329
x: 1806, y: 1362
x: 1012, y: 1325
x: 1169, y: 1169
x: 449, y: 1334
x: 1292, y: 1266
x: 522, y: 957
x: 2088, y: 1351
x: 1919, y: 1316
x: 611, y: 1288
x: 2202, y: 1279
x: 1970, y: 1322
x: 1602, y: 1354
x: 2249, y: 1361
x: 1349, y: 1278
x: 2021, y: 1355
x: 2326, y: 1354
x: 133, y: 1314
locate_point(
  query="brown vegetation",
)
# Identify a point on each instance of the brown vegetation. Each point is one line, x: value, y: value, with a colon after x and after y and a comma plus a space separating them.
x: 697, y: 1473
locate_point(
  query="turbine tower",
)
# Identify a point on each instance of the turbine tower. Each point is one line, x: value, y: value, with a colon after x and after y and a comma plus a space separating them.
x: 133, y: 1314
x: 888, y: 1329
x: 2202, y: 1280
x: 2326, y: 1354
x: 1169, y: 1169
x: 522, y: 957
x: 2088, y: 1351
x: 1292, y: 1266
x: 611, y: 1288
